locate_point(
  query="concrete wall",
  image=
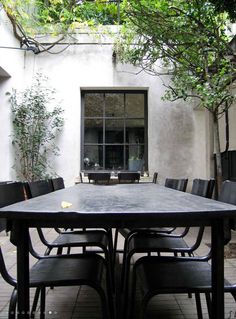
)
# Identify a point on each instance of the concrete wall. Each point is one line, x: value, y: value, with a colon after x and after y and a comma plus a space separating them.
x: 11, y: 75
x: 178, y: 135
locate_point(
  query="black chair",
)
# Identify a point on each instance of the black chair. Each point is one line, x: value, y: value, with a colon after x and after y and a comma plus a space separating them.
x: 57, y: 183
x: 17, y: 195
x: 38, y: 188
x: 81, y: 177
x: 102, y: 239
x: 128, y: 177
x: 150, y: 240
x: 68, y: 239
x: 178, y: 184
x: 99, y: 177
x: 154, y: 179
x: 167, y: 275
x: 50, y: 271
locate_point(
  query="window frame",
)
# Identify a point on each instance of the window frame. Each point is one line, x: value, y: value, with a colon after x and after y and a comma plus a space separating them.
x: 104, y: 118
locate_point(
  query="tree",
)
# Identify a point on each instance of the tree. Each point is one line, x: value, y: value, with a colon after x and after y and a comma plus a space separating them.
x: 228, y: 6
x: 35, y: 128
x: 187, y: 41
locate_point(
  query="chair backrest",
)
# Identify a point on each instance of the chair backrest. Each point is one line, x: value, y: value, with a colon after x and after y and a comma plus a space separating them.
x: 178, y: 184
x: 57, y: 183
x: 128, y: 176
x: 228, y: 192
x: 228, y: 195
x: 154, y: 179
x: 99, y: 176
x: 9, y: 194
x: 39, y: 188
x: 203, y: 187
x: 211, y: 187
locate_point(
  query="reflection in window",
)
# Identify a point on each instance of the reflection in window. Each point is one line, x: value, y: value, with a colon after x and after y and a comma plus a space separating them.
x: 114, y: 130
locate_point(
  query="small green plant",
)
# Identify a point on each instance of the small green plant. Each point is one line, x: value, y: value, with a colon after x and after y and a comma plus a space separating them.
x: 35, y: 128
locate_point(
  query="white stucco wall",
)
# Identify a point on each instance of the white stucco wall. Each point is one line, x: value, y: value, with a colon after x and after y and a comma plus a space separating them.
x: 177, y: 133
x: 11, y: 64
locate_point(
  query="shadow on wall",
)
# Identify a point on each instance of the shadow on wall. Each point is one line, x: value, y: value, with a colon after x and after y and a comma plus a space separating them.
x: 175, y: 140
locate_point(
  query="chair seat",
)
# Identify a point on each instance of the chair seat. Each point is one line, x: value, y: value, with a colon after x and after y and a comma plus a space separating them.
x: 148, y: 242
x: 160, y: 275
x: 75, y: 239
x: 125, y: 232
x: 68, y: 271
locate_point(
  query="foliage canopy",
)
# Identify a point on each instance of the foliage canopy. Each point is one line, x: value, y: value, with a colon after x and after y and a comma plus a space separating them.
x: 228, y: 6
x: 58, y: 17
x: 188, y: 41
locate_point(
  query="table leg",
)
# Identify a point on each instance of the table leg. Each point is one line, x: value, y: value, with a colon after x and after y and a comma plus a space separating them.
x: 23, y: 271
x: 217, y: 240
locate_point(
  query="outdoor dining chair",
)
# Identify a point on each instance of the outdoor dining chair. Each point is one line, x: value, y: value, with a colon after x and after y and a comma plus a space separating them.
x: 180, y: 274
x: 57, y: 183
x: 85, y: 269
x: 149, y: 240
x: 154, y: 178
x: 99, y: 177
x: 178, y: 184
x: 128, y: 177
x: 68, y: 239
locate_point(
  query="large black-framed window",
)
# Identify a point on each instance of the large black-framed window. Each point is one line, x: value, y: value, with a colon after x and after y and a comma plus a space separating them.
x: 114, y: 130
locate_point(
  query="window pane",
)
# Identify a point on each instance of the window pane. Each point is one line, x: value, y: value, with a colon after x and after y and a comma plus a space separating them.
x: 93, y: 157
x: 93, y: 104
x: 93, y: 131
x: 114, y: 105
x: 114, y: 131
x: 114, y: 157
x: 134, y: 105
x: 134, y: 131
x: 135, y: 157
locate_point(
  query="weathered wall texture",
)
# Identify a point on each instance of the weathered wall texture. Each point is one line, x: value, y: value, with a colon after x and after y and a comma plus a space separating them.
x: 178, y: 135
x: 11, y: 75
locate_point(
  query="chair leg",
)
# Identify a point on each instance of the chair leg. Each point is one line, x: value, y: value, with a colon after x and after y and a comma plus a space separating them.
x: 125, y: 284
x: 209, y: 304
x: 124, y: 263
x: 35, y: 302
x: 115, y: 245
x: 12, y: 305
x: 107, y: 298
x: 129, y: 312
x: 144, y: 305
x: 42, y: 303
x: 110, y: 269
x: 106, y: 307
x: 199, y: 306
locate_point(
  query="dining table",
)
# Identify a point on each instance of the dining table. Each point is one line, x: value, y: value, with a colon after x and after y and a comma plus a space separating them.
x: 119, y: 206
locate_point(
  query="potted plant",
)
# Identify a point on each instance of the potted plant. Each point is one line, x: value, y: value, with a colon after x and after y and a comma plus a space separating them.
x: 135, y: 164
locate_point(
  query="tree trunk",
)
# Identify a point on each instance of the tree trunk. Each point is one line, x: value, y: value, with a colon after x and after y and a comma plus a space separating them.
x: 226, y: 130
x: 218, y: 154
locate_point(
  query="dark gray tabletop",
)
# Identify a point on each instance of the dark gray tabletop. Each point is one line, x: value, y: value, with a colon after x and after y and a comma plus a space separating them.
x: 119, y: 205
